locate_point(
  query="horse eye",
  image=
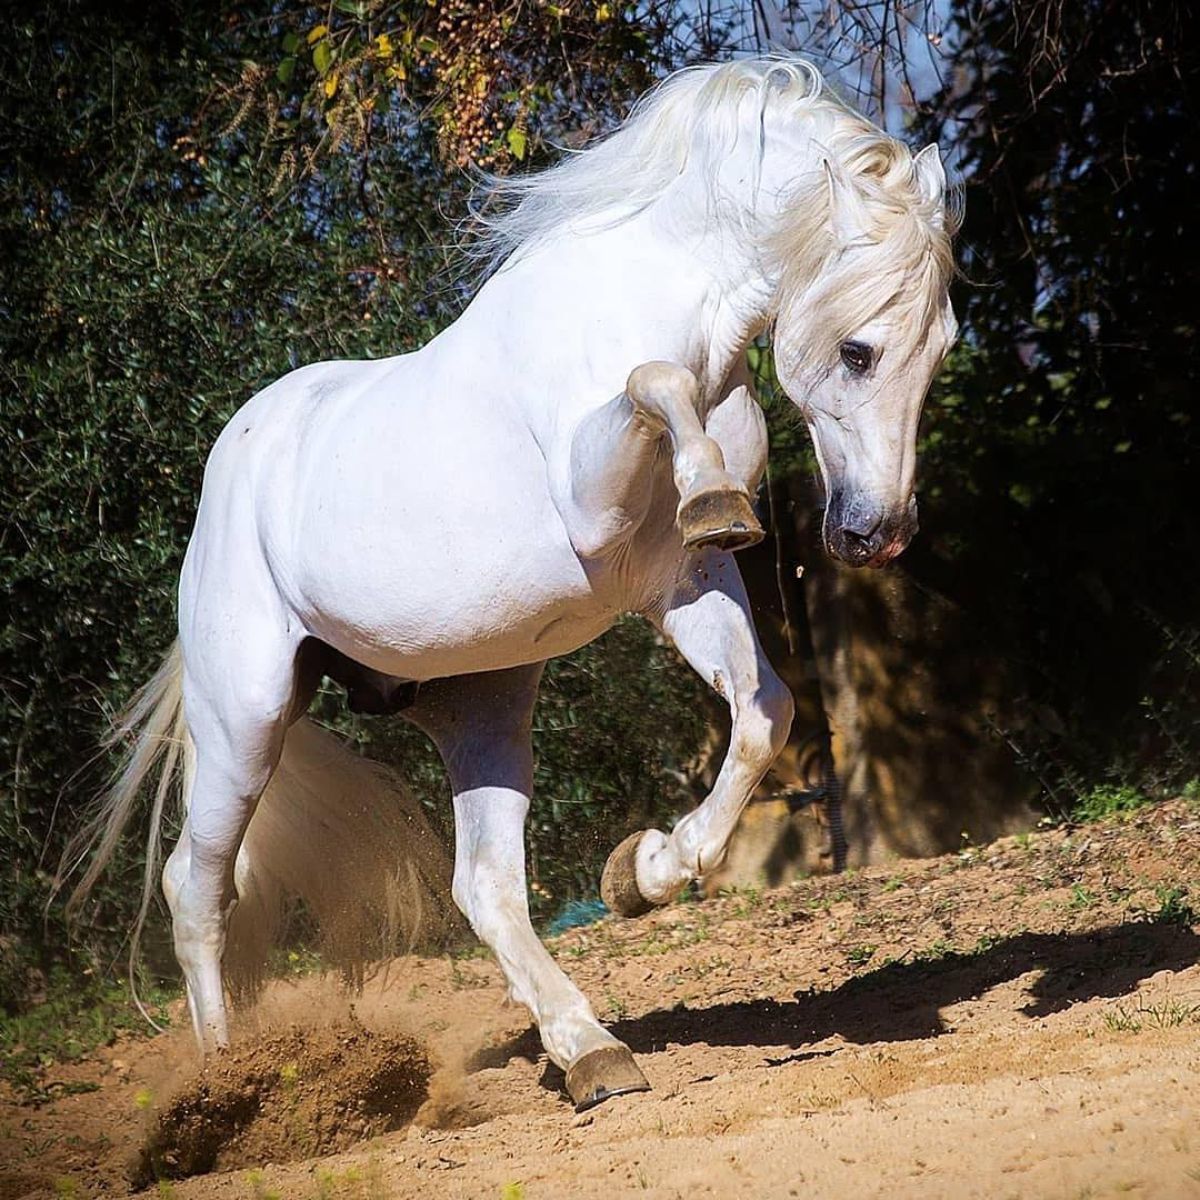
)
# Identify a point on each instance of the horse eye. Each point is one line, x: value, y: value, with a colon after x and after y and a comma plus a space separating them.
x: 857, y: 357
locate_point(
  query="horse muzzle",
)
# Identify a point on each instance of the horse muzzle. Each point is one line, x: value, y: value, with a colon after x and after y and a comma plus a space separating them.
x: 863, y: 533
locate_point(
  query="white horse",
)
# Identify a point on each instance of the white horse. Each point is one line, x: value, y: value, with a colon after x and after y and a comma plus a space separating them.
x: 580, y: 443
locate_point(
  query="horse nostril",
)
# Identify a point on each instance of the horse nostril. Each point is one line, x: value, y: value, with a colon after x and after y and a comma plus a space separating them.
x: 854, y: 547
x: 863, y: 526
x: 857, y: 547
x: 856, y: 528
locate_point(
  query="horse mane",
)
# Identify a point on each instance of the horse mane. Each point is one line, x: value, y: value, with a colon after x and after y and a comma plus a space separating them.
x: 690, y: 115
x: 690, y: 121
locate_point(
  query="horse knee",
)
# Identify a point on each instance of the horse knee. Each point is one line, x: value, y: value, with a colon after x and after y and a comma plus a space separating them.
x: 467, y: 888
x: 656, y: 387
x: 489, y: 902
x: 463, y: 894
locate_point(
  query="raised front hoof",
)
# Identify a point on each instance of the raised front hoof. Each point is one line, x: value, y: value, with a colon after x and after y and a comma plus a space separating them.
x: 618, y: 883
x: 722, y: 518
x: 601, y: 1074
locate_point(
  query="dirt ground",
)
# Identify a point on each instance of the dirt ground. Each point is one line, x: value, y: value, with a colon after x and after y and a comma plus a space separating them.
x: 1017, y: 1020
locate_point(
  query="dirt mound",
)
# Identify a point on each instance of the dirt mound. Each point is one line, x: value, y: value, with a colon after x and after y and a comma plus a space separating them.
x: 301, y: 1093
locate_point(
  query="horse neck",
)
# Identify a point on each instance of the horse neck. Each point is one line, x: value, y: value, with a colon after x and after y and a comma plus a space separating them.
x: 580, y: 311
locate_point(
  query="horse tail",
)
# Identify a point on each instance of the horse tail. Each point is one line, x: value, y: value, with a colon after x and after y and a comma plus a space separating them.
x: 337, y: 842
x: 337, y: 833
x: 153, y: 729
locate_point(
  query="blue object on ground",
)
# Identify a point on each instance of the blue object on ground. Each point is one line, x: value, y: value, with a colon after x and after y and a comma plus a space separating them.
x: 576, y: 913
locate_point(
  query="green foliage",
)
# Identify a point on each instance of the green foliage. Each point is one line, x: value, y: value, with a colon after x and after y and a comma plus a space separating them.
x: 605, y: 768
x: 175, y: 238
x: 1164, y: 1013
x: 1108, y: 800
x: 1060, y: 446
x: 859, y: 956
x: 256, y: 1180
x: 487, y: 79
x: 1173, y: 906
x: 71, y: 1019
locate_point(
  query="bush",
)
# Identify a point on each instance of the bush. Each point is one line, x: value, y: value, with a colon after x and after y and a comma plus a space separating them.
x: 1108, y: 800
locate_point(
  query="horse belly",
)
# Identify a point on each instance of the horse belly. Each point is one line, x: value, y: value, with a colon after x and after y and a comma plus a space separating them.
x: 423, y: 629
x: 445, y: 555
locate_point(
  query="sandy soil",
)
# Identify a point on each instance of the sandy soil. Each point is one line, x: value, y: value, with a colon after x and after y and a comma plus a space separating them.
x: 1020, y: 1020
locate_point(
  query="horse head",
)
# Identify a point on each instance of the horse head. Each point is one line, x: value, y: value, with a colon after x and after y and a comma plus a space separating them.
x: 862, y: 323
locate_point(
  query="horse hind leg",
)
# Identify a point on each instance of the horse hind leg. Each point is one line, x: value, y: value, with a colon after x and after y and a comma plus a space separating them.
x: 481, y: 725
x: 237, y: 721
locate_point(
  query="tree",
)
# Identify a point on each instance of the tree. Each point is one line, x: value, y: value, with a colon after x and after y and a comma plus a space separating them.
x: 1066, y: 440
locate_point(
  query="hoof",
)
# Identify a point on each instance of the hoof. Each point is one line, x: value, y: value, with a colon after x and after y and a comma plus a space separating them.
x: 609, y: 1071
x: 618, y: 883
x: 721, y: 518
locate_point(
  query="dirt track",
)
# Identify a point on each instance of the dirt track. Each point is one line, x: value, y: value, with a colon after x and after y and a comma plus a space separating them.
x: 1021, y: 1020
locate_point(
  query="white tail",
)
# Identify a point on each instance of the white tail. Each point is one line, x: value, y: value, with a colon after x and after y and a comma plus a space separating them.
x: 332, y: 830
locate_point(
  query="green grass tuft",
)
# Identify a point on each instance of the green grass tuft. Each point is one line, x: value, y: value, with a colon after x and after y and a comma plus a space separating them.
x: 859, y: 956
x: 1108, y: 800
x: 1173, y: 906
x: 1162, y: 1014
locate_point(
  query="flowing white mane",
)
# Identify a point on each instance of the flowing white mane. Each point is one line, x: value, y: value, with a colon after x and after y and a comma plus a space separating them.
x: 690, y: 116
x: 689, y: 122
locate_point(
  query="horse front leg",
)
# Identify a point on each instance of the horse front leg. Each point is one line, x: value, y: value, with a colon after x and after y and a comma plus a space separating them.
x: 710, y: 623
x: 481, y: 725
x: 607, y: 490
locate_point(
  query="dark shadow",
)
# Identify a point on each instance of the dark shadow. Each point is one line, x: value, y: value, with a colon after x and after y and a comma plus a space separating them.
x: 902, y: 1000
x: 526, y: 1045
x: 799, y: 1056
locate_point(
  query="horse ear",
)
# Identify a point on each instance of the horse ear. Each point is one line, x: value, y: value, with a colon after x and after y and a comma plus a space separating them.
x: 846, y: 214
x: 930, y: 174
